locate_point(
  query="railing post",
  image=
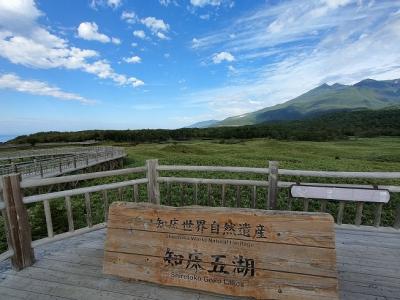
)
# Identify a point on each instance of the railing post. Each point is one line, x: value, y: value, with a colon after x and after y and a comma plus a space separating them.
x: 19, y: 230
x: 14, y: 167
x: 41, y: 169
x: 4, y: 215
x: 272, y: 185
x: 397, y: 218
x: 153, y: 188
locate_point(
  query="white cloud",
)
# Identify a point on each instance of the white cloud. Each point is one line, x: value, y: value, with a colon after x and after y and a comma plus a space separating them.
x: 35, y: 47
x: 168, y: 2
x: 287, y: 22
x: 222, y: 56
x: 114, y: 3
x: 154, y: 24
x: 18, y: 14
x: 140, y: 34
x: 103, y: 70
x: 90, y: 31
x: 195, y: 43
x: 115, y: 41
x: 336, y: 3
x: 34, y: 52
x: 162, y: 36
x: 345, y: 42
x: 133, y: 59
x: 157, y: 26
x: 35, y: 87
x: 110, y: 3
x: 202, y: 3
x: 328, y: 5
x: 215, y: 3
x: 135, y: 82
x: 232, y: 69
x: 129, y: 17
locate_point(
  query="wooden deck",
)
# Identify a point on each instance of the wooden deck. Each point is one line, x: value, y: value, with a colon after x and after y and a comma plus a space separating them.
x: 368, y: 262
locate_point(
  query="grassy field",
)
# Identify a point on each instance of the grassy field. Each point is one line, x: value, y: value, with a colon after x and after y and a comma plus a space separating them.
x: 353, y: 155
x: 376, y: 154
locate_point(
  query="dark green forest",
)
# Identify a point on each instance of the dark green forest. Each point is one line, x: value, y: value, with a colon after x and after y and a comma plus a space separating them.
x: 332, y: 126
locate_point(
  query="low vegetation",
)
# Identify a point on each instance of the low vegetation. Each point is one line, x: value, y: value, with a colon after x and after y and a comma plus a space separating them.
x: 356, y: 154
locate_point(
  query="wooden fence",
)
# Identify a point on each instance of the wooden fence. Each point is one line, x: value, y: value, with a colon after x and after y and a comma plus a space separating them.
x: 13, y: 205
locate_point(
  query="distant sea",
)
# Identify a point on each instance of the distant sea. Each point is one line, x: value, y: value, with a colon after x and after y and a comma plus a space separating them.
x: 5, y: 138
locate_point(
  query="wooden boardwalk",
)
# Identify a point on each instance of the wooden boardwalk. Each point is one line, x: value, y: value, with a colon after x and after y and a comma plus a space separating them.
x: 60, y: 163
x: 368, y: 262
x: 69, y: 168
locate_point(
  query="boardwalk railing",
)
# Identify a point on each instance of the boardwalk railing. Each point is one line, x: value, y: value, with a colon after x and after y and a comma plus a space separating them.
x: 14, y: 202
x: 43, y: 163
x: 12, y: 155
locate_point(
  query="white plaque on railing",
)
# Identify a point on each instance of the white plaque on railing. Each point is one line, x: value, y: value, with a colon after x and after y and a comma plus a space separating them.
x: 340, y: 193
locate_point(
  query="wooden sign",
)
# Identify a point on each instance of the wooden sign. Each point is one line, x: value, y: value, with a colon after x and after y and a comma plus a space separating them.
x: 241, y: 252
x: 340, y: 193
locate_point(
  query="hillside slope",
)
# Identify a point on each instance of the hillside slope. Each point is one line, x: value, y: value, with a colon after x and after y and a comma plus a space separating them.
x: 366, y: 94
x: 203, y: 124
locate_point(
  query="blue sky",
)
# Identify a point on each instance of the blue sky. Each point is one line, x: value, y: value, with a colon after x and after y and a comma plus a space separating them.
x: 125, y: 64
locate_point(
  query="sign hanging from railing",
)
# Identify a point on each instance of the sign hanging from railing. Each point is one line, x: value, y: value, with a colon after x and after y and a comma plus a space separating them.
x: 340, y: 193
x: 241, y: 252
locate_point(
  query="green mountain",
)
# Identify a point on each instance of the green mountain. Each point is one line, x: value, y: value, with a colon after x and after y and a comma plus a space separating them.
x: 366, y: 94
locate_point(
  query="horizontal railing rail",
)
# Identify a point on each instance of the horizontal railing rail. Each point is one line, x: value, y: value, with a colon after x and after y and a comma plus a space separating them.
x: 214, y: 169
x: 270, y: 184
x: 334, y: 174
x: 30, y: 183
x: 81, y: 191
x: 302, y: 173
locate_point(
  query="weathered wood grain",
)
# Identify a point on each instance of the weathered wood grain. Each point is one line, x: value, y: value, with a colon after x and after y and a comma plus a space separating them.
x: 49, y: 222
x: 291, y: 256
x: 88, y: 208
x: 368, y: 269
x: 153, y: 188
x: 281, y: 257
x: 298, y: 231
x: 70, y: 217
x: 272, y: 184
x: 19, y: 229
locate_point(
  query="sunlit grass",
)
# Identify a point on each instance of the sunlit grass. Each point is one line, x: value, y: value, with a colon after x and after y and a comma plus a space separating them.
x: 375, y: 154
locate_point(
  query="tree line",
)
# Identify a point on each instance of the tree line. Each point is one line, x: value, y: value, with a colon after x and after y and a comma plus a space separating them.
x: 331, y: 126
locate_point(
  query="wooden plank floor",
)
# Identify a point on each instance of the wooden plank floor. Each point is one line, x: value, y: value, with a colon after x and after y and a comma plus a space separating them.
x: 368, y: 262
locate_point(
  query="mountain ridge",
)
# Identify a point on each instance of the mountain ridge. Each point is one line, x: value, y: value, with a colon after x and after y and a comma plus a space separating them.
x: 365, y: 94
x: 203, y: 124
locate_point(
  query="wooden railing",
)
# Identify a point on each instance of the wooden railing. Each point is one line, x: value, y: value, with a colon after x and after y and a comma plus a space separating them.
x: 53, y: 162
x: 14, y: 202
